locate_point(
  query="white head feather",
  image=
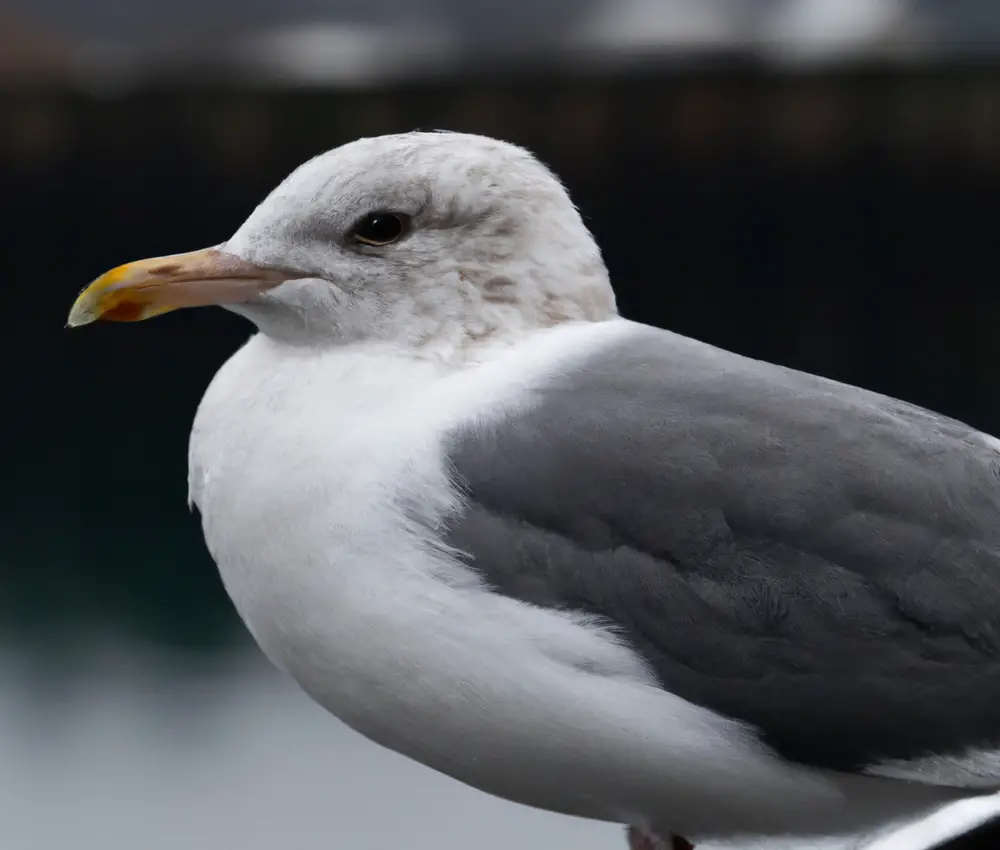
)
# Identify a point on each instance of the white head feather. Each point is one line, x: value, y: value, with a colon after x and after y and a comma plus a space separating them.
x: 495, y: 246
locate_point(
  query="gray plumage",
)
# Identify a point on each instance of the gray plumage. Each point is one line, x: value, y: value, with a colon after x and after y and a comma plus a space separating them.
x: 818, y: 560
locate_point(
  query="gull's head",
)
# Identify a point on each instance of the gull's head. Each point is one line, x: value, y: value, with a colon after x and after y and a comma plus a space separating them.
x: 406, y: 238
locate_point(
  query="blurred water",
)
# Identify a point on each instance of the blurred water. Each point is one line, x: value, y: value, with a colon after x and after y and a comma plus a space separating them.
x: 142, y: 752
x: 139, y: 751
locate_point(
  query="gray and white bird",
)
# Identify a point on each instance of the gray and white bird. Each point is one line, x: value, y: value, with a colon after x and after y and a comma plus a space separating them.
x: 574, y: 561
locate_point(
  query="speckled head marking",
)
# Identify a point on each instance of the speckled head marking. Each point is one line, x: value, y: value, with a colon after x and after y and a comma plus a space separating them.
x: 495, y: 245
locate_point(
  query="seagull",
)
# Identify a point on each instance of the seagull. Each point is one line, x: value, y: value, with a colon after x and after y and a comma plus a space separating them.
x: 575, y: 561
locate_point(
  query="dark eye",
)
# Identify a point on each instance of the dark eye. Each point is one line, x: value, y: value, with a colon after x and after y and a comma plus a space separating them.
x: 380, y: 228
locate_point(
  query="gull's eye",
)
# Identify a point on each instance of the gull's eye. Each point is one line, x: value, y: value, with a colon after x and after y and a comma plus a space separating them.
x: 379, y: 228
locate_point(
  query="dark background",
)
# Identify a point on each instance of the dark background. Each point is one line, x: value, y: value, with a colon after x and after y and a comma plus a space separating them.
x: 840, y: 220
x: 842, y: 224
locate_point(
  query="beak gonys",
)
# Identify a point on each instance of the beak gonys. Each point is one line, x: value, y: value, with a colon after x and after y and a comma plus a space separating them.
x: 148, y: 288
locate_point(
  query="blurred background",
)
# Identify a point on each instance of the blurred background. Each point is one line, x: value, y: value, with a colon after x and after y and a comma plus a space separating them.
x: 815, y: 182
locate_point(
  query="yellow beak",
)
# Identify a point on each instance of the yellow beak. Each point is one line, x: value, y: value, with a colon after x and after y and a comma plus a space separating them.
x: 148, y: 288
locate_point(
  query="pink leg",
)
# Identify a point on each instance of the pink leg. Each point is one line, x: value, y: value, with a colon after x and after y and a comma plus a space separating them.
x: 640, y: 840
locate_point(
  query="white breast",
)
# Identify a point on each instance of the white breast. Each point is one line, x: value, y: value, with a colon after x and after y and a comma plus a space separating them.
x: 321, y: 478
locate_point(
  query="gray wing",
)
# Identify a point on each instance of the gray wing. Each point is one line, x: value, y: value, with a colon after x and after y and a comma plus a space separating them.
x: 814, y: 559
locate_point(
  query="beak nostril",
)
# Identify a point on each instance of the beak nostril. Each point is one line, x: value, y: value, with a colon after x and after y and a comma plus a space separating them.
x: 165, y: 269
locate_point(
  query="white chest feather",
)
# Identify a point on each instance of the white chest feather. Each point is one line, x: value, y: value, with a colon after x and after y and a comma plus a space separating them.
x: 301, y: 467
x: 321, y: 480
